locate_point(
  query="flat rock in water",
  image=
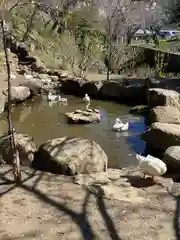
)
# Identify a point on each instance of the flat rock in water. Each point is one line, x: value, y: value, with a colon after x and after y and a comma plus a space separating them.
x: 165, y: 115
x: 162, y: 135
x: 140, y: 109
x: 80, y: 116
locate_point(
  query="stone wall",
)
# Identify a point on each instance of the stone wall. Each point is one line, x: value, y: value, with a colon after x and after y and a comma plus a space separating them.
x: 130, y: 91
x: 162, y: 60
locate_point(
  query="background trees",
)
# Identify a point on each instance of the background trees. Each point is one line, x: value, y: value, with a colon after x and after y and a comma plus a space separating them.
x: 97, y: 31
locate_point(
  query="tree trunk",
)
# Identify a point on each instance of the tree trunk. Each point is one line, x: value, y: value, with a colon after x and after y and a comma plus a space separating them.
x: 30, y: 24
x: 128, y: 40
x: 15, y: 154
x: 109, y: 49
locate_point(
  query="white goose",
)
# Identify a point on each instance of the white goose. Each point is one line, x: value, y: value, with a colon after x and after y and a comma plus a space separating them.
x: 151, y: 166
x: 119, y: 126
x: 86, y: 98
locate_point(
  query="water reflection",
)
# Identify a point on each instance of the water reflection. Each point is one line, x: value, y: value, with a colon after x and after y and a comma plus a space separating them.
x: 44, y: 122
x: 24, y: 113
x: 52, y: 103
x: 134, y: 140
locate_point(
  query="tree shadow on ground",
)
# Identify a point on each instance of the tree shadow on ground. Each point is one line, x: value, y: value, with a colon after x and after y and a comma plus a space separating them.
x: 104, y: 213
x: 176, y: 222
x: 81, y: 219
x: 138, y: 181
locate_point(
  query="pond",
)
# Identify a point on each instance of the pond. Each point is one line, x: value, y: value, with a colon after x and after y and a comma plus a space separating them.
x: 44, y: 120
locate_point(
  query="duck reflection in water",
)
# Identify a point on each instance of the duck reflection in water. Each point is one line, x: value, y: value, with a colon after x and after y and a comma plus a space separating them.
x: 25, y: 113
x: 124, y: 134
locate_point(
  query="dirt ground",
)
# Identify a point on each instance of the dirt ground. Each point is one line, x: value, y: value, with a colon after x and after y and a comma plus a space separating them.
x: 125, y: 207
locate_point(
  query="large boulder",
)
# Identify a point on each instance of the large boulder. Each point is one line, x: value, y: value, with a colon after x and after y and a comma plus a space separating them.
x: 91, y: 88
x: 133, y: 91
x: 172, y: 158
x: 163, y: 97
x: 124, y: 89
x: 111, y: 90
x: 25, y: 145
x: 19, y: 94
x: 22, y: 50
x: 35, y: 85
x: 37, y: 65
x: 71, y: 156
x: 165, y: 115
x: 72, y: 85
x: 162, y: 135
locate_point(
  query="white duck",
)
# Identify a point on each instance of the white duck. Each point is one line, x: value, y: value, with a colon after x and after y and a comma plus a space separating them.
x: 63, y: 100
x: 86, y: 98
x: 28, y: 76
x: 125, y: 127
x: 53, y: 97
x: 119, y: 126
x: 13, y: 76
x: 151, y: 166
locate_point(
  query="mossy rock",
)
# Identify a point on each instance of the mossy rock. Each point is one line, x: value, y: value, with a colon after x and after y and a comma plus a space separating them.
x: 140, y: 109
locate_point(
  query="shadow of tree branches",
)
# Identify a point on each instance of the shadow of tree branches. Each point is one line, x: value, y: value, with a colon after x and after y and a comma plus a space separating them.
x: 81, y: 219
x: 177, y: 218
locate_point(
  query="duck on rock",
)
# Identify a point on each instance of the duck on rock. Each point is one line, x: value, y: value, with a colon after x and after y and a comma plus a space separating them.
x: 86, y: 98
x: 151, y: 166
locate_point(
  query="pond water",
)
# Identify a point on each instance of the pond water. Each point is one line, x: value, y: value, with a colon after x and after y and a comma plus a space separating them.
x: 45, y: 121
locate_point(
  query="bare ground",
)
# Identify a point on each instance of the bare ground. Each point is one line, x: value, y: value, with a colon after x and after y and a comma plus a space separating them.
x: 47, y: 206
